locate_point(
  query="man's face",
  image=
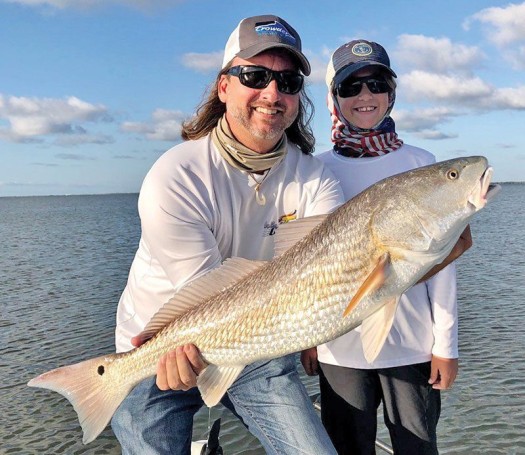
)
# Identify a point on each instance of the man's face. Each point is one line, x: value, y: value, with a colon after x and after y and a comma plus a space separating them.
x: 258, y: 117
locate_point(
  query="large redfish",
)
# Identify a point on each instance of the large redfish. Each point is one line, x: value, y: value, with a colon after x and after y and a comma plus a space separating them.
x: 330, y: 274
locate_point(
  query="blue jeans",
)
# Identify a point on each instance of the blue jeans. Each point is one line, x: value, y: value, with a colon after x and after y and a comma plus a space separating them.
x: 268, y: 396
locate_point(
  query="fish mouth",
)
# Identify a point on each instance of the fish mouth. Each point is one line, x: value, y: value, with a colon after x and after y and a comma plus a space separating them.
x: 485, y: 191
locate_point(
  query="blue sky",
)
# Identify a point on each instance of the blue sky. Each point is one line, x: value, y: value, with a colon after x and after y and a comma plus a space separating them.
x: 93, y: 91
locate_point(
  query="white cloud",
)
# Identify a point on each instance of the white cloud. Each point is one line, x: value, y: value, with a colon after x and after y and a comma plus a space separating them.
x: 165, y: 125
x: 422, y: 119
x: 203, y: 63
x: 423, y: 123
x: 508, y: 98
x: 503, y: 25
x: 418, y: 85
x: 28, y: 119
x: 465, y: 94
x: 439, y: 55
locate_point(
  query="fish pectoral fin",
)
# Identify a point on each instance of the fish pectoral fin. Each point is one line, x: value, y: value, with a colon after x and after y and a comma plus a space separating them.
x: 215, y: 380
x: 372, y: 282
x: 375, y: 329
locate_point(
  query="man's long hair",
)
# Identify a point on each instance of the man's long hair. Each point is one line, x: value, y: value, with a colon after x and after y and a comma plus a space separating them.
x: 211, y: 109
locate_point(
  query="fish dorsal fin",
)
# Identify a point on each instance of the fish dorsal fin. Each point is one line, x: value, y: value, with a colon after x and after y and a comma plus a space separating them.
x: 215, y: 380
x: 290, y: 233
x: 375, y: 329
x: 372, y: 283
x: 199, y: 290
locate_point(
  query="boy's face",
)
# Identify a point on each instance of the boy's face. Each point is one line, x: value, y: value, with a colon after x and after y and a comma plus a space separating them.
x: 366, y: 109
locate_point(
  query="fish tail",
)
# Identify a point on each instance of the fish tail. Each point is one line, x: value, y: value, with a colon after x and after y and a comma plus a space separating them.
x: 94, y: 387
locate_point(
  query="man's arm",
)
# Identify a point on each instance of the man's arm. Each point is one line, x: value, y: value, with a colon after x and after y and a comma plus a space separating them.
x: 169, y: 218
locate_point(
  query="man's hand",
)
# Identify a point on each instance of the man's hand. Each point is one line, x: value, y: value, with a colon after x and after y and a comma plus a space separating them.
x: 443, y: 372
x: 309, y: 361
x: 178, y: 369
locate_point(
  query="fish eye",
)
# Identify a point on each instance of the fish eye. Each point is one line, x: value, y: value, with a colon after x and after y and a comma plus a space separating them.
x: 452, y: 174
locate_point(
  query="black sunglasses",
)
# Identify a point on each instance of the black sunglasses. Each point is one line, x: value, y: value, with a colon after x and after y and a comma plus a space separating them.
x: 288, y: 82
x: 352, y: 86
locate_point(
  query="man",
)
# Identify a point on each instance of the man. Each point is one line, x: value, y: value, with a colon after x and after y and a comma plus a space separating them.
x: 246, y: 163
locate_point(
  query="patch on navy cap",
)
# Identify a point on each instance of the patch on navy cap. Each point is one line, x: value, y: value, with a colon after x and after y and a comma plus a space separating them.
x: 361, y: 49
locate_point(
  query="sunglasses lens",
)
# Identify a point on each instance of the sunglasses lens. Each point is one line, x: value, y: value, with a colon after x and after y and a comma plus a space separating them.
x: 257, y: 77
x: 289, y: 82
x: 377, y: 86
x: 347, y: 89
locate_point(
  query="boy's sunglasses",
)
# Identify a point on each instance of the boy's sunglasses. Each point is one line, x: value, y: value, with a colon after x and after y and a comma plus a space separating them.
x: 352, y: 86
x: 258, y: 77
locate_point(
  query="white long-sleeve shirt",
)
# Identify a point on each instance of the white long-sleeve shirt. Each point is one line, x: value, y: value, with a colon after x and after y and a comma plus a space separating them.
x: 425, y: 322
x: 196, y: 211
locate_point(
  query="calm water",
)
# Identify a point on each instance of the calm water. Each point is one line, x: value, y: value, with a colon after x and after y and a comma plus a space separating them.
x: 64, y: 262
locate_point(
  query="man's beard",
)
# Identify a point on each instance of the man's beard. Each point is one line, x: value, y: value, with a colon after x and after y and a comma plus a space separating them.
x: 275, y: 131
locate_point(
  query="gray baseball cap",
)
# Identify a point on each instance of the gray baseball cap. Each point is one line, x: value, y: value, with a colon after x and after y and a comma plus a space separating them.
x: 256, y: 34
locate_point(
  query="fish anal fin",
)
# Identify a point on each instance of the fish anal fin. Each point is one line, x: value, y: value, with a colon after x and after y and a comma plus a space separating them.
x: 199, y: 290
x: 215, y: 380
x: 375, y: 329
x: 372, y: 283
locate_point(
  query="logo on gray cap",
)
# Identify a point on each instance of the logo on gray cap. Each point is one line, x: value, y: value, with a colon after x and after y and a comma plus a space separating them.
x: 275, y: 28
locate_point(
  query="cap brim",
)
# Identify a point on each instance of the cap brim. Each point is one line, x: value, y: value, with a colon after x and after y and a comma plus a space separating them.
x: 351, y: 69
x: 261, y: 47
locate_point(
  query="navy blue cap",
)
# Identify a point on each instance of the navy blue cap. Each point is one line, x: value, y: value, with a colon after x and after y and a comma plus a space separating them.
x: 356, y: 55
